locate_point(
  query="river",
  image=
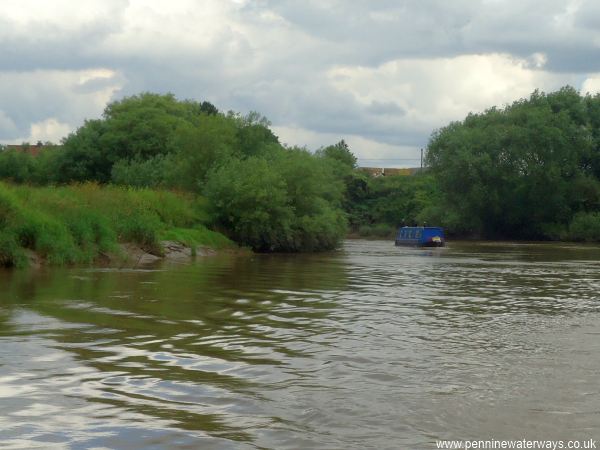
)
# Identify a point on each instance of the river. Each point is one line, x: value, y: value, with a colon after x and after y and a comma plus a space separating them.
x: 371, y: 346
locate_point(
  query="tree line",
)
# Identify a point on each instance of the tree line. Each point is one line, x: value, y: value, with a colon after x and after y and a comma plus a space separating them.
x: 528, y: 170
x: 260, y: 193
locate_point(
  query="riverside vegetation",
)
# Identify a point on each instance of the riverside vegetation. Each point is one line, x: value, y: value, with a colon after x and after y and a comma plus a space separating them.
x: 157, y: 168
x: 154, y: 167
x: 76, y: 224
x: 529, y: 170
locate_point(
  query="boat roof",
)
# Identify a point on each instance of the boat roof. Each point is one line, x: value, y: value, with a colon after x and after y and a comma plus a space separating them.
x: 425, y: 228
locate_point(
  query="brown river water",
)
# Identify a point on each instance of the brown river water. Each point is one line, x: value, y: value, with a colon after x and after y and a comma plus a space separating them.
x: 371, y: 346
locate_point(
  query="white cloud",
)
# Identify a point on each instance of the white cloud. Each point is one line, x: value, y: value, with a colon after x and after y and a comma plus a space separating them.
x: 151, y: 28
x: 381, y: 75
x: 538, y: 60
x: 369, y: 152
x: 301, y: 137
x: 432, y: 92
x: 58, y: 14
x: 48, y: 130
x: 48, y: 104
x: 591, y: 84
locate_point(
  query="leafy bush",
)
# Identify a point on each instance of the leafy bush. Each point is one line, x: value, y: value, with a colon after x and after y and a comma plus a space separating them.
x: 75, y: 224
x: 265, y: 195
x: 11, y: 252
x: 554, y: 231
x: 249, y: 200
x: 287, y: 203
x: 508, y: 172
x: 155, y: 172
x: 585, y: 227
x: 197, y: 236
x: 16, y: 166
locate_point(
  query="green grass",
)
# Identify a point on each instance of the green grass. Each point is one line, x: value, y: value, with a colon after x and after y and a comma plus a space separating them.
x: 585, y: 227
x: 197, y: 237
x: 76, y: 224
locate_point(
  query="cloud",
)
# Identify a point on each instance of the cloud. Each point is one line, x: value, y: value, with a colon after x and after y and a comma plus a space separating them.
x: 430, y: 92
x: 30, y: 98
x: 381, y: 74
x: 591, y: 85
x: 7, y: 125
x: 368, y: 152
x: 48, y: 130
x: 57, y: 35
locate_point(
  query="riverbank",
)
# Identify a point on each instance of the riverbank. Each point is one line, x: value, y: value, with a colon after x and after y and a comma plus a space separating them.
x: 88, y: 223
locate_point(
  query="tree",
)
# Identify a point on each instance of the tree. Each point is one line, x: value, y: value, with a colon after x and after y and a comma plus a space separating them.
x: 285, y: 203
x: 340, y: 152
x: 249, y: 199
x: 208, y: 108
x: 84, y: 157
x: 201, y: 146
x: 254, y: 135
x: 510, y: 172
x: 136, y: 128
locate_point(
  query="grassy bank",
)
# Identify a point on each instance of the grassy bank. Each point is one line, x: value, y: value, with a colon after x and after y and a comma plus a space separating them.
x: 77, y: 224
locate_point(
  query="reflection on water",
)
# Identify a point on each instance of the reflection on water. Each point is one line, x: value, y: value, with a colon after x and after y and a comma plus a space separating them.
x: 370, y: 347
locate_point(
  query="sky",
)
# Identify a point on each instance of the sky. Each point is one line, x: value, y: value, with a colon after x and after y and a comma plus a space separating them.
x: 380, y: 74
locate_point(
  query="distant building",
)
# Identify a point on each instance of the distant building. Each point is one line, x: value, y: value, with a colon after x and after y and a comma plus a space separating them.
x: 373, y: 171
x: 390, y: 171
x: 407, y: 171
x: 33, y: 150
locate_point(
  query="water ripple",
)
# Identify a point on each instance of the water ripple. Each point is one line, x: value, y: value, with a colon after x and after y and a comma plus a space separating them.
x: 369, y: 347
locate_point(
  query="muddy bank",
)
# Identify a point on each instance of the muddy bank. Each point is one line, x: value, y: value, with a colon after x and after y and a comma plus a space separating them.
x: 133, y: 255
x: 171, y: 250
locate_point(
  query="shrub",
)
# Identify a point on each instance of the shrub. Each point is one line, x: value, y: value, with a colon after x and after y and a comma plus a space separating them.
x: 153, y: 172
x: 287, y: 203
x: 77, y: 223
x: 11, y: 253
x: 585, y: 227
x: 197, y: 236
x: 249, y: 199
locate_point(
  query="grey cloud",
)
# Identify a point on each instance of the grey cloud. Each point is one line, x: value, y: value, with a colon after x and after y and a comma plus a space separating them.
x: 41, y: 45
x: 381, y: 31
x: 279, y: 67
x: 589, y: 15
x: 97, y: 84
x: 27, y: 98
x: 8, y: 129
x: 386, y: 108
x: 320, y: 108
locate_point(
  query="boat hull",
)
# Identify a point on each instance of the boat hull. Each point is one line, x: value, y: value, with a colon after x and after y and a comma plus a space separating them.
x: 420, y: 237
x: 419, y: 244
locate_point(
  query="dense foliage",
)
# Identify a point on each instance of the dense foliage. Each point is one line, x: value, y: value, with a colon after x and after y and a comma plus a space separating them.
x: 80, y: 222
x: 262, y: 194
x: 523, y: 171
x: 392, y: 200
x: 288, y: 202
x: 529, y: 170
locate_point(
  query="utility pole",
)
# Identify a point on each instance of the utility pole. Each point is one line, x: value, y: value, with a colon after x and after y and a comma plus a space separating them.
x: 421, y: 158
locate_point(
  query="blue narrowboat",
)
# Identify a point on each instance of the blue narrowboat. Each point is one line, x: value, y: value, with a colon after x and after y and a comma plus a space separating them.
x: 421, y: 236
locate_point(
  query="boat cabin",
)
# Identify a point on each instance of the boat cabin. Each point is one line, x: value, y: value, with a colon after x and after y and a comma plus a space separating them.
x: 421, y: 236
